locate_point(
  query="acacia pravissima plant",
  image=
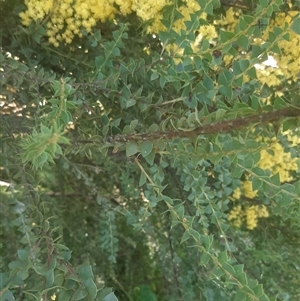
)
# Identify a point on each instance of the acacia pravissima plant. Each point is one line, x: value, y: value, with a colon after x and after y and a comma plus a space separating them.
x: 150, y: 150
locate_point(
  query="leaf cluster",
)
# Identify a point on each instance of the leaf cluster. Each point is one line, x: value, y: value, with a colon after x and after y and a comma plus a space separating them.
x: 123, y: 150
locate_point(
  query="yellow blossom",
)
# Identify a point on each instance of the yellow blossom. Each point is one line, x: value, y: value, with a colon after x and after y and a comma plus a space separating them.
x: 236, y: 194
x: 278, y: 161
x: 247, y: 189
x: 251, y: 217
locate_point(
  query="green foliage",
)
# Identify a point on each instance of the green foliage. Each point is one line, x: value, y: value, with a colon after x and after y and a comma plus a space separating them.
x: 42, y: 147
x: 124, y: 153
x: 296, y: 25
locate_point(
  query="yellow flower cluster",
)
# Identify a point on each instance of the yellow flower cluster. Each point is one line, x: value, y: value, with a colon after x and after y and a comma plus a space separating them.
x: 36, y: 10
x: 249, y: 215
x: 236, y: 195
x: 278, y: 161
x: 288, y: 61
x: 206, y: 31
x: 65, y: 18
x: 269, y: 76
x: 252, y: 214
x: 186, y: 9
x: 293, y: 138
x: 150, y: 10
x: 230, y: 20
x: 236, y: 216
x: 246, y: 190
x: 275, y: 160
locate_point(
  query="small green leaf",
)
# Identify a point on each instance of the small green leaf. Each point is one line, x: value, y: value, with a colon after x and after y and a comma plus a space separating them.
x: 116, y: 51
x: 288, y: 124
x: 133, y: 125
x: 103, y: 293
x: 240, y: 296
x: 99, y: 60
x: 130, y: 102
x: 186, y: 235
x: 66, y: 255
x: 279, y: 103
x: 239, y: 268
x: 226, y: 36
x: 91, y: 288
x: 40, y: 269
x: 227, y: 48
x: 179, y: 209
x: 228, y: 267
x: 52, y: 264
x: 244, y: 64
x: 45, y: 130
x: 4, y: 277
x: 79, y: 294
x: 65, y: 295
x: 153, y: 128
x: 150, y: 157
x: 17, y: 280
x: 23, y: 254
x: 208, y: 82
x: 131, y: 149
x: 243, y: 42
x: 162, y: 81
x: 223, y: 257
x: 204, y: 258
x: 284, y: 200
x: 252, y: 72
x: 49, y: 278
x: 236, y: 68
x: 126, y: 92
x: 217, y: 272
x: 295, y: 27
x: 154, y: 76
x: 258, y: 290
x: 226, y: 91
x: 7, y: 296
x: 110, y: 297
x: 85, y: 272
x: 143, y: 179
x: 146, y: 148
x: 207, y: 241
x: 65, y: 117
x: 256, y: 184
x: 242, y: 278
x: 177, y: 15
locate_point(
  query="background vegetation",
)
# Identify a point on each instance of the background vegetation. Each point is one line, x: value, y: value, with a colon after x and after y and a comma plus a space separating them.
x: 150, y: 150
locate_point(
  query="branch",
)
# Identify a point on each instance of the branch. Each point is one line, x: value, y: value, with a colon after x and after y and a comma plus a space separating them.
x: 223, y: 126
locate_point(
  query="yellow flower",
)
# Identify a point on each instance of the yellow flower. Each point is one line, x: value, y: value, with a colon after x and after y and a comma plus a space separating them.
x: 251, y: 217
x: 247, y: 189
x: 236, y: 194
x: 262, y: 211
x: 278, y: 162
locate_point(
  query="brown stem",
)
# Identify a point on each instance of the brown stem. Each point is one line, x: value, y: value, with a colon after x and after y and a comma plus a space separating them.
x: 223, y: 126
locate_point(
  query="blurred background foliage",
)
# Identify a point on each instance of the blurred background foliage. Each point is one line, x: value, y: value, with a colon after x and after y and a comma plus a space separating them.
x: 122, y: 177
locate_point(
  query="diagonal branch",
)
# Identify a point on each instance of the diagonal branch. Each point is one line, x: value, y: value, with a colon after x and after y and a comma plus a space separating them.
x: 223, y: 126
